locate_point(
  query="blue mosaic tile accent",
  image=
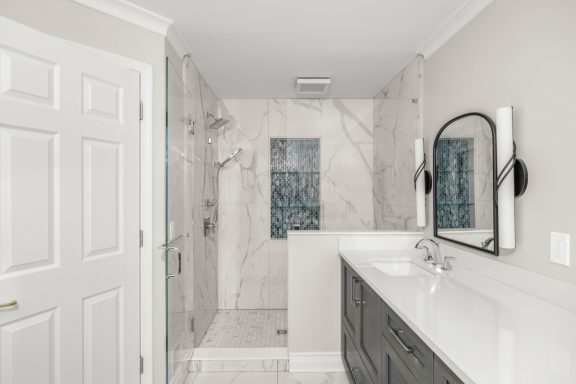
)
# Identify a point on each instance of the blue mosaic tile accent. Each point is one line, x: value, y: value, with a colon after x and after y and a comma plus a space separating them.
x: 295, y: 185
x: 455, y: 183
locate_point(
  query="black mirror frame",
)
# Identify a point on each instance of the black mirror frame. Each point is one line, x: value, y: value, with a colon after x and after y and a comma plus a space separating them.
x: 496, y: 250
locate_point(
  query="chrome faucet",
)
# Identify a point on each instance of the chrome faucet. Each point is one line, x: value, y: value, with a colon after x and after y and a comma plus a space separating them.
x: 487, y: 242
x: 432, y: 250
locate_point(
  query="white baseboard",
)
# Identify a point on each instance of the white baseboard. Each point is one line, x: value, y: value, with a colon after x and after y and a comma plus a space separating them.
x: 316, y: 362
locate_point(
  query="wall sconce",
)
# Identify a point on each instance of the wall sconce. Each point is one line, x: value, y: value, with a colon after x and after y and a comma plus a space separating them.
x: 512, y: 178
x: 422, y: 182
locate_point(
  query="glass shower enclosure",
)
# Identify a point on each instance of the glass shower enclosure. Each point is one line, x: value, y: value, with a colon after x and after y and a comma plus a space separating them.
x: 178, y: 240
x: 191, y: 198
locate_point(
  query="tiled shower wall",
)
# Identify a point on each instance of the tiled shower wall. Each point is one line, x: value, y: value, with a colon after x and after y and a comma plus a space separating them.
x: 203, y: 294
x: 397, y: 123
x: 252, y: 267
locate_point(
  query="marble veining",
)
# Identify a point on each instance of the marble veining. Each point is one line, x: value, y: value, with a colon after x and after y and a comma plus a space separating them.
x: 266, y: 378
x: 252, y: 267
x: 397, y: 123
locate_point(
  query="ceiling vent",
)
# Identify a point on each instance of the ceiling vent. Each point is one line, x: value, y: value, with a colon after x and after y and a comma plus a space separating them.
x: 313, y: 86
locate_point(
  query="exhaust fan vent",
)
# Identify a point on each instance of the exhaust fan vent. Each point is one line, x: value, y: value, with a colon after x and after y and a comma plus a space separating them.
x: 313, y: 86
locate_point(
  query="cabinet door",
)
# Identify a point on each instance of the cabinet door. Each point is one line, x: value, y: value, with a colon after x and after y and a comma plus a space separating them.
x: 354, y: 366
x: 369, y: 341
x: 350, y: 299
x: 394, y: 371
x: 443, y: 374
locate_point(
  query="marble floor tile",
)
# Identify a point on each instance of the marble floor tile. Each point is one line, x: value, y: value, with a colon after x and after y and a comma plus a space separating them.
x: 236, y: 378
x: 246, y: 329
x: 312, y: 378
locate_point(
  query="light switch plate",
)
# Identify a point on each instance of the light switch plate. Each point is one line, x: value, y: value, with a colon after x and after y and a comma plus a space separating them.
x: 560, y: 248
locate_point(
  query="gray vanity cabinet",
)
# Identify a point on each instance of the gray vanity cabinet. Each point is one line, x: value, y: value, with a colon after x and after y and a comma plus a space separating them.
x: 350, y: 301
x: 443, y: 374
x: 370, y: 324
x: 377, y: 346
x: 394, y: 371
x: 361, y: 319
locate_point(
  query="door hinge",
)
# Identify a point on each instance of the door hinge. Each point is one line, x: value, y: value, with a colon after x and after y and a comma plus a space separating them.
x: 141, y: 111
x: 141, y: 365
x: 141, y: 238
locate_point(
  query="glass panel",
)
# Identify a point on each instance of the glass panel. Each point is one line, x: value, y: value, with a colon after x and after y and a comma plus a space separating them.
x: 179, y: 334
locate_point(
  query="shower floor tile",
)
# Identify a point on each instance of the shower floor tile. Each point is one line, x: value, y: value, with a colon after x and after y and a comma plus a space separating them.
x: 246, y: 329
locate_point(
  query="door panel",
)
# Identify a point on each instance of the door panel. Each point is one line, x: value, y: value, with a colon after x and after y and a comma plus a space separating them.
x: 102, y: 198
x: 28, y: 78
x: 28, y: 152
x: 102, y: 338
x: 30, y: 339
x: 69, y: 213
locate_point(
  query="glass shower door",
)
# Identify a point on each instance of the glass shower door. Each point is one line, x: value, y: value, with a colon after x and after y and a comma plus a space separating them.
x: 178, y: 246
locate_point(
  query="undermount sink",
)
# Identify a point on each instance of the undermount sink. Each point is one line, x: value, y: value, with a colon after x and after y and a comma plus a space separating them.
x: 401, y: 268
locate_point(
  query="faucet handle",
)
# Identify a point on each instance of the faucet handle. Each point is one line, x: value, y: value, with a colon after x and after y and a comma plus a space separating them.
x: 446, y: 265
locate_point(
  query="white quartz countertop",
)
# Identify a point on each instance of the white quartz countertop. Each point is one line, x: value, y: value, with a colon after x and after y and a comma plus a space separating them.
x: 487, y: 332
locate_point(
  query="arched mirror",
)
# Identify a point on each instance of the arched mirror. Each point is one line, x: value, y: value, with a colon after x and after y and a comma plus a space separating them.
x: 465, y: 196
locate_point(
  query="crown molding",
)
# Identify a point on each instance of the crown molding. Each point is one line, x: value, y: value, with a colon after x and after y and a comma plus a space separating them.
x: 132, y: 13
x: 175, y: 39
x: 142, y: 17
x: 463, y: 15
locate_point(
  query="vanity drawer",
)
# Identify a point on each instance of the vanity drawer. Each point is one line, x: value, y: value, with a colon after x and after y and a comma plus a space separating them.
x: 355, y: 368
x: 411, y: 349
x: 443, y: 374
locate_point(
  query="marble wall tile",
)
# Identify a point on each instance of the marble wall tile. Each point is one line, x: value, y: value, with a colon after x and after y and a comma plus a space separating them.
x: 345, y: 129
x: 201, y: 277
x: 243, y: 256
x: 246, y: 179
x: 293, y: 118
x: 406, y: 85
x: 347, y: 164
x: 397, y: 124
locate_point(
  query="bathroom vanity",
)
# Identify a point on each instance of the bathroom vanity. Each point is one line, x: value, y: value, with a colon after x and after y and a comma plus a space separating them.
x: 377, y: 346
x: 405, y: 321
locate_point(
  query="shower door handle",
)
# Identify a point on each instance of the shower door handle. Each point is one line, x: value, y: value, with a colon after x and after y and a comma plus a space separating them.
x: 168, y: 249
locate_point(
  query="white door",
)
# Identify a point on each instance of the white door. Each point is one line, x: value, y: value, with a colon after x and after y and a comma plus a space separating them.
x: 69, y: 213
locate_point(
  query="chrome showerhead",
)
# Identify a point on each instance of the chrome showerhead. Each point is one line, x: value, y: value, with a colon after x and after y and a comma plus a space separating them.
x: 218, y: 122
x: 229, y: 158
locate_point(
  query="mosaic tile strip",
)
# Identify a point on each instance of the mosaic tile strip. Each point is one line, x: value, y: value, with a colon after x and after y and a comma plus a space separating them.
x: 295, y: 185
x: 455, y: 184
x: 246, y: 329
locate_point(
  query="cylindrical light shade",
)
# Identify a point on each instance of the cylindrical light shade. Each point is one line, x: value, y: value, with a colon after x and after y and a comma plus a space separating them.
x: 505, y: 150
x: 420, y: 184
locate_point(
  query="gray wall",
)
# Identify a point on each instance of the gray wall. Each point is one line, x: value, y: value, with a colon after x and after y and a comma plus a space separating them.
x: 520, y: 53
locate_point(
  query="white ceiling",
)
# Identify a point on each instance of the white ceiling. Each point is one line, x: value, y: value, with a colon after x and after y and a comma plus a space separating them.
x: 257, y: 48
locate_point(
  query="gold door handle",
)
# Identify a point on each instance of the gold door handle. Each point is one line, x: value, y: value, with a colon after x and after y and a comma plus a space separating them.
x: 9, y: 304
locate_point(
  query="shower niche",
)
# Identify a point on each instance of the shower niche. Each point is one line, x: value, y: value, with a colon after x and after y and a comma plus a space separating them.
x: 295, y: 185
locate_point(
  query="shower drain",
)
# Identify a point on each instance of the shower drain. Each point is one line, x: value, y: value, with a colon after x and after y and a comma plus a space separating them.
x: 281, y: 331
